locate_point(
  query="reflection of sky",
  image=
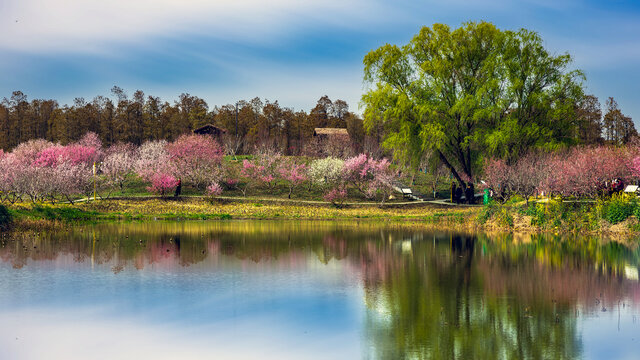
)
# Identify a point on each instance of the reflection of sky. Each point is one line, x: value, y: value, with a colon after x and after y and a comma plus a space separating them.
x: 187, y: 312
x: 613, y: 334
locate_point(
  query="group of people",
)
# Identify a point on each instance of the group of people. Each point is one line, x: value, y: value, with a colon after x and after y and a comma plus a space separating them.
x: 457, y: 192
x: 616, y: 186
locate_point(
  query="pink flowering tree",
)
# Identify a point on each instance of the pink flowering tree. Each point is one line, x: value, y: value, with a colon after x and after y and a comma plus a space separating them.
x: 32, y: 182
x: 635, y: 167
x: 369, y: 176
x: 585, y: 171
x: 118, y: 165
x: 383, y: 179
x: 293, y: 174
x: 337, y: 196
x: 155, y: 166
x: 528, y: 174
x: 262, y: 170
x: 20, y: 178
x: 92, y: 140
x: 214, y: 189
x: 497, y: 175
x: 42, y: 170
x: 74, y: 153
x: 196, y: 159
x: 162, y: 183
x: 7, y: 175
x: 69, y: 180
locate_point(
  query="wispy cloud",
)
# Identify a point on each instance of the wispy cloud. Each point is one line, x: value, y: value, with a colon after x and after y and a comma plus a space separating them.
x: 90, y: 25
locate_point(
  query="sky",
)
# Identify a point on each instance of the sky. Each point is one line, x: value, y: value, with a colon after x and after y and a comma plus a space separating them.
x: 292, y: 51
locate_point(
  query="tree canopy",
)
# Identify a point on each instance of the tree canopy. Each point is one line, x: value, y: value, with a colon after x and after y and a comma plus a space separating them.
x: 459, y: 95
x: 136, y: 119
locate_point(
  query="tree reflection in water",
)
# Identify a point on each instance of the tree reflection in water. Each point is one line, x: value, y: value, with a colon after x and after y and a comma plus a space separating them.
x: 428, y: 294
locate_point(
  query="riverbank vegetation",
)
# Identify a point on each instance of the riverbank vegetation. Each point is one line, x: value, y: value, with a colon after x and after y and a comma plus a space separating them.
x: 261, y: 209
x: 615, y: 217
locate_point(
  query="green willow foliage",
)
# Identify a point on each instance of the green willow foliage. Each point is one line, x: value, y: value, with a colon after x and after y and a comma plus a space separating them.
x: 460, y: 95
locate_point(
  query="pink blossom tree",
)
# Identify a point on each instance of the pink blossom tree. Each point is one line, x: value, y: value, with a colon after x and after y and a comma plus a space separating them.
x: 161, y: 183
x: 584, y: 171
x: 214, y: 189
x: 27, y: 152
x: 261, y: 170
x: 118, y: 164
x: 155, y: 166
x: 69, y: 179
x: 196, y: 158
x: 293, y: 174
x: 9, y: 168
x: 6, y: 177
x: 383, y: 179
x: 528, y: 174
x: 91, y: 140
x: 369, y: 176
x: 337, y: 196
x: 497, y: 175
x: 32, y: 181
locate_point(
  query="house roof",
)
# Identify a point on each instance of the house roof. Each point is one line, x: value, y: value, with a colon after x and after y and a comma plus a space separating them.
x: 330, y: 131
x: 208, y: 127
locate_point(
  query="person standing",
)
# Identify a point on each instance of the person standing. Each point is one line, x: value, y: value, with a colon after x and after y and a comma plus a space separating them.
x: 178, y: 188
x: 458, y: 194
x: 453, y: 191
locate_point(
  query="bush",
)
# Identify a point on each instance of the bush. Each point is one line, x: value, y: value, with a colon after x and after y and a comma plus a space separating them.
x: 486, y: 213
x: 537, y: 213
x: 619, y: 208
x: 505, y: 218
x: 5, y: 218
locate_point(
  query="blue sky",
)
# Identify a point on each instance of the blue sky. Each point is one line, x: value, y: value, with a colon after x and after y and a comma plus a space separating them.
x: 288, y: 50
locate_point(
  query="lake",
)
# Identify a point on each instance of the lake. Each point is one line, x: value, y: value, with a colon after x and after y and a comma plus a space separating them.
x: 314, y: 290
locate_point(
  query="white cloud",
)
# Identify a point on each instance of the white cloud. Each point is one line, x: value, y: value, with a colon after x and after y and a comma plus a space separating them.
x: 93, y: 333
x: 90, y: 25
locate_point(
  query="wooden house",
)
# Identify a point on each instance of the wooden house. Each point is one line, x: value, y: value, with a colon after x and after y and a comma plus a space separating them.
x: 331, y: 133
x: 209, y: 129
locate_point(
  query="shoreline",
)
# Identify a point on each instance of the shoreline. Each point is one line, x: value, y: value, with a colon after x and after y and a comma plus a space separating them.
x: 496, y: 218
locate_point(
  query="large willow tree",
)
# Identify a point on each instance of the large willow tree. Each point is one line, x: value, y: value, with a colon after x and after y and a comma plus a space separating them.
x: 459, y: 95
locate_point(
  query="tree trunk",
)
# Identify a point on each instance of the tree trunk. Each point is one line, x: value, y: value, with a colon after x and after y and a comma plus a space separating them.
x: 453, y: 170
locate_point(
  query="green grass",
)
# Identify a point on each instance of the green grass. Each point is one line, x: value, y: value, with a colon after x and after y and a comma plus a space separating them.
x: 60, y: 213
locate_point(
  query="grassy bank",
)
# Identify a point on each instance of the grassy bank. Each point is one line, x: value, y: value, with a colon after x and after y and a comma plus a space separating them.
x: 202, y: 209
x: 616, y: 216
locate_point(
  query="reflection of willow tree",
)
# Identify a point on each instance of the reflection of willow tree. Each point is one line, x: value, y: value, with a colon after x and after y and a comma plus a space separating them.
x: 576, y: 253
x: 430, y: 303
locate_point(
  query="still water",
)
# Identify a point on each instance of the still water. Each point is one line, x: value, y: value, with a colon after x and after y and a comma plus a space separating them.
x: 314, y: 290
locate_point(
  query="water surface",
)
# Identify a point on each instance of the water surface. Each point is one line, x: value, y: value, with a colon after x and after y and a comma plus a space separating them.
x: 313, y: 290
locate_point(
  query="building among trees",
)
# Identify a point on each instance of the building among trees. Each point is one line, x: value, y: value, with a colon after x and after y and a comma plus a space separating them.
x: 209, y: 129
x: 325, y: 134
